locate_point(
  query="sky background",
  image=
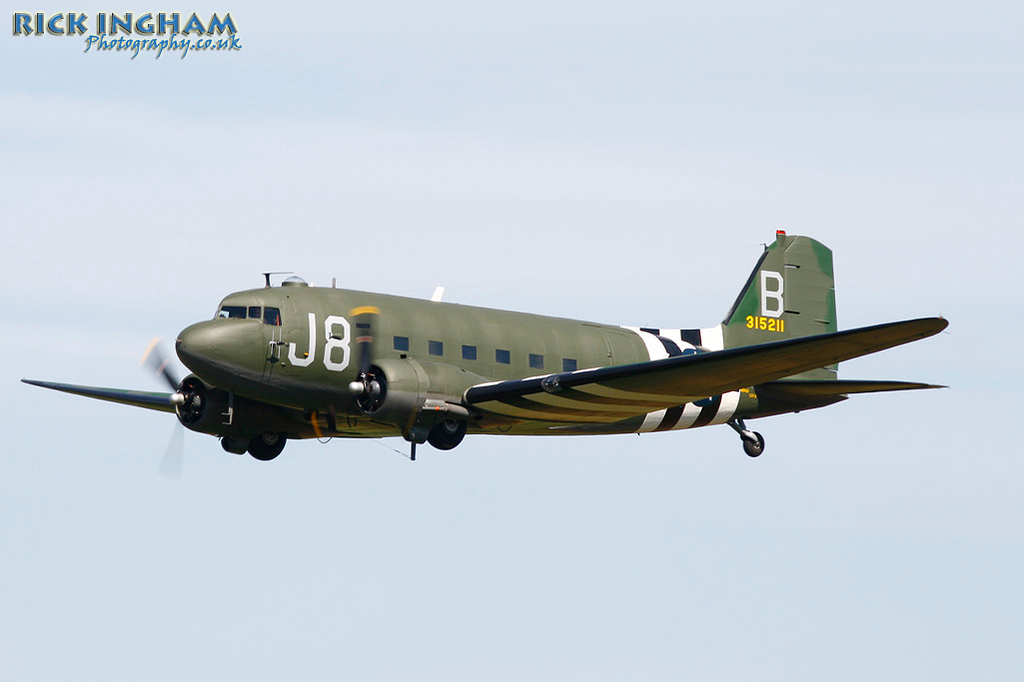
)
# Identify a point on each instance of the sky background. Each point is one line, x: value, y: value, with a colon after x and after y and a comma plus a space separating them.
x: 589, y: 160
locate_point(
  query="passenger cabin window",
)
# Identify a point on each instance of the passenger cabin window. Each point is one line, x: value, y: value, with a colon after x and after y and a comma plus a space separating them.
x: 536, y: 361
x: 255, y: 312
x: 502, y: 357
x: 469, y: 352
x: 435, y: 347
x: 568, y: 365
x: 235, y: 312
x: 272, y: 316
x: 401, y: 343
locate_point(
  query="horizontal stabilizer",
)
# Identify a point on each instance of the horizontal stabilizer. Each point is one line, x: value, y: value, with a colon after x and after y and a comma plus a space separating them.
x: 150, y: 401
x: 816, y: 389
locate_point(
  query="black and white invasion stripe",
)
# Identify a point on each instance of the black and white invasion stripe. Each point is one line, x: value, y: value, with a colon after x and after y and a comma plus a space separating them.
x: 664, y: 343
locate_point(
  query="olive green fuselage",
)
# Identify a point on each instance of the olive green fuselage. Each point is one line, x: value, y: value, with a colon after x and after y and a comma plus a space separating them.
x: 449, y: 347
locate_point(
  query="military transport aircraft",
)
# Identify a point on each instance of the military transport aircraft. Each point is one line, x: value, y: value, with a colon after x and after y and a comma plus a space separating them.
x: 295, y: 361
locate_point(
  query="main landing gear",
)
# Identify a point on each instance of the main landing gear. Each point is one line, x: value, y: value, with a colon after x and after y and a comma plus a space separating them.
x: 447, y: 434
x: 264, y: 447
x: 443, y: 435
x: 267, y: 445
x: 753, y: 442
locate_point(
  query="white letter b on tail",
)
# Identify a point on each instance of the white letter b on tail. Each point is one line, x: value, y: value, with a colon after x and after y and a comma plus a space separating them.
x: 771, y: 298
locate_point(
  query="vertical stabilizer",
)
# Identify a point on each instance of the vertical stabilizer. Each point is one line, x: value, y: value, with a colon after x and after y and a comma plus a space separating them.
x: 790, y: 293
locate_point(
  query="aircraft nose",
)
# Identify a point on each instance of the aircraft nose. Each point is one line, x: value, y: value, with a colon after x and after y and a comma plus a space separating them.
x: 197, y: 343
x: 227, y: 353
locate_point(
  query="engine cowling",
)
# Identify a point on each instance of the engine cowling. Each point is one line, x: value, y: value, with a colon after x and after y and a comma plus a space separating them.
x: 212, y: 410
x: 414, y: 395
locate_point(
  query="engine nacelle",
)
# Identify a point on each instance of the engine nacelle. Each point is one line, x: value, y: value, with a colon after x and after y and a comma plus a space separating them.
x: 212, y: 410
x: 414, y: 395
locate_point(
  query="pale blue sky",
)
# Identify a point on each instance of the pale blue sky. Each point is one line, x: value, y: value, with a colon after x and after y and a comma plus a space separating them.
x: 621, y: 165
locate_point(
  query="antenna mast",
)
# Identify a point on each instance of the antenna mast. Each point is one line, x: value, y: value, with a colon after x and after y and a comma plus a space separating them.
x: 266, y: 275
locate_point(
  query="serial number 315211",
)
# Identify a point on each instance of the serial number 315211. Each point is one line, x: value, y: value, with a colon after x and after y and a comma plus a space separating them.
x: 769, y: 324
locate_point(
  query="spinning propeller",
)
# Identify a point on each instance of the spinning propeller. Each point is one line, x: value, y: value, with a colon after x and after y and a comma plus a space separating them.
x: 369, y: 388
x: 173, y: 460
x: 155, y: 359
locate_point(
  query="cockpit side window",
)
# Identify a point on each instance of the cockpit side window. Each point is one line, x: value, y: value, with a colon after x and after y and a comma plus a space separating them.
x: 235, y: 312
x: 272, y: 316
x: 255, y: 312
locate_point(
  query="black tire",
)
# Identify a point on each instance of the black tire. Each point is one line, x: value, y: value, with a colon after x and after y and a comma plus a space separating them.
x: 754, y: 448
x: 234, y: 445
x: 447, y: 434
x: 267, y: 445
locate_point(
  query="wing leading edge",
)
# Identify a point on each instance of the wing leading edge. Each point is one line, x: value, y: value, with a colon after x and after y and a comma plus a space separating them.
x: 149, y: 400
x: 610, y: 394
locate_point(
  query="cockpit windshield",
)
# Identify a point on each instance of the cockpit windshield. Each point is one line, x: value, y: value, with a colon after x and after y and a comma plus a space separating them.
x: 270, y: 316
x: 233, y: 312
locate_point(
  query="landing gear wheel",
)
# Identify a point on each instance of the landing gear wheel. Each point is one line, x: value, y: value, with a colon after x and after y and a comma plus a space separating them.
x: 753, y: 442
x: 753, y: 447
x: 267, y: 445
x: 234, y: 445
x: 447, y: 434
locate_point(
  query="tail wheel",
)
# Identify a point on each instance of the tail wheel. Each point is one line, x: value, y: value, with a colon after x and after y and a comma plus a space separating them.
x: 267, y: 445
x: 754, y: 446
x: 447, y: 434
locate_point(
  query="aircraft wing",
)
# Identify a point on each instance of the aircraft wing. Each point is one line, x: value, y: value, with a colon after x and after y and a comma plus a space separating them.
x: 610, y: 394
x: 152, y: 401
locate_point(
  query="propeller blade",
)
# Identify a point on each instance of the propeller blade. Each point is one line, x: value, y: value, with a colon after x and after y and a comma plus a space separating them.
x: 368, y: 388
x: 365, y: 318
x: 172, y: 464
x: 155, y: 359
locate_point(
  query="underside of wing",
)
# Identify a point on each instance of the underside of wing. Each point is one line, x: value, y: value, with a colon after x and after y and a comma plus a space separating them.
x: 611, y: 394
x: 162, y: 402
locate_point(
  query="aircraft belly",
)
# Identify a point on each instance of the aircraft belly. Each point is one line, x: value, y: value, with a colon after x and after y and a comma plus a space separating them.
x: 681, y: 417
x: 716, y: 410
x: 730, y: 401
x: 708, y: 412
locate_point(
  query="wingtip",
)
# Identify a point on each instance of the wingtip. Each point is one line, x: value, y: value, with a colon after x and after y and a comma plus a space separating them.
x: 43, y: 384
x: 931, y: 326
x: 930, y: 386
